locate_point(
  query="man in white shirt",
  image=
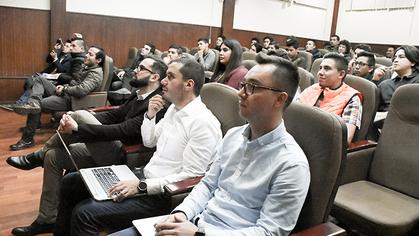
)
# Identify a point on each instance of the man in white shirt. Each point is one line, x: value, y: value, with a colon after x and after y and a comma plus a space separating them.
x: 185, y: 141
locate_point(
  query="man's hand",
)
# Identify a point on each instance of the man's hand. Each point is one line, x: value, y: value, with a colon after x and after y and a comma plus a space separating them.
x: 123, y: 189
x: 68, y: 124
x: 53, y: 54
x: 59, y: 90
x: 155, y: 104
x: 121, y: 74
x: 176, y: 224
x: 379, y: 73
x: 57, y: 46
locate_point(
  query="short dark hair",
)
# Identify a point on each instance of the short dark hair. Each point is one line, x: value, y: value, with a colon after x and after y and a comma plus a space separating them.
x: 205, y: 40
x: 285, y: 75
x: 292, y: 42
x: 152, y: 47
x: 335, y: 35
x: 364, y: 47
x: 412, y: 54
x: 268, y: 37
x: 369, y: 55
x: 192, y: 70
x: 80, y: 42
x: 341, y: 61
x: 178, y: 48
x: 100, y: 55
x: 258, y: 47
x: 256, y: 39
x: 158, y: 67
x: 347, y: 44
x: 221, y: 36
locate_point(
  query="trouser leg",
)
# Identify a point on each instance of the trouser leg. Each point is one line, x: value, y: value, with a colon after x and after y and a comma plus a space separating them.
x: 56, y: 103
x: 42, y: 88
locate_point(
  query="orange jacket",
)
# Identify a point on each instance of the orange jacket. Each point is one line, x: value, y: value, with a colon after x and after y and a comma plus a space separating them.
x: 334, y: 101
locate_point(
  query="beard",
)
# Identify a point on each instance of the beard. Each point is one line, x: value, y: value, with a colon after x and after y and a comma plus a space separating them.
x: 139, y: 83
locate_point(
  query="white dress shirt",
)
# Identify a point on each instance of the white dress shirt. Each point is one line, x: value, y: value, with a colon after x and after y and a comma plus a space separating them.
x: 254, y: 187
x: 185, y: 142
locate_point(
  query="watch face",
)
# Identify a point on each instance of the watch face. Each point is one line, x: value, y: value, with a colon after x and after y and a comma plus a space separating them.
x: 142, y: 186
x: 200, y: 232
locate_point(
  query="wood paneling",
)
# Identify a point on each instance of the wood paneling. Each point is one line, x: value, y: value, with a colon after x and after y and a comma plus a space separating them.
x: 24, y: 40
x: 11, y: 88
x: 116, y: 34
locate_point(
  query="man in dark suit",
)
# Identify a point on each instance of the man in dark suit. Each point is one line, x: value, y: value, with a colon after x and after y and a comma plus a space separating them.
x: 93, y: 141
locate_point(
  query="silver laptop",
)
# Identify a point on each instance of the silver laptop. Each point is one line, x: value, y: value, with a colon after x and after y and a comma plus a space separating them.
x: 98, y: 180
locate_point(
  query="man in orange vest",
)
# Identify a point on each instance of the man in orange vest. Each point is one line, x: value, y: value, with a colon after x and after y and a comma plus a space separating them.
x: 331, y: 94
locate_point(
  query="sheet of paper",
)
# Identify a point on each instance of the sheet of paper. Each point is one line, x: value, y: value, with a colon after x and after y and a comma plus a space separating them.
x: 146, y: 226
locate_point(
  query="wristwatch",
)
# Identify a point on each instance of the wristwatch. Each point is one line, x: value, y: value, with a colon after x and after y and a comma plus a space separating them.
x: 200, y: 232
x: 142, y: 186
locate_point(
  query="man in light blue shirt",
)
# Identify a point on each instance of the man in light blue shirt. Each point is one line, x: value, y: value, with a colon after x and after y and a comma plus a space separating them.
x: 259, y: 180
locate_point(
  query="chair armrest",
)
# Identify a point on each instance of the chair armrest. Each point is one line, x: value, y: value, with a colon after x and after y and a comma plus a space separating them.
x: 128, y: 149
x: 358, y: 161
x: 327, y: 228
x: 182, y: 186
x: 361, y: 144
x: 103, y: 108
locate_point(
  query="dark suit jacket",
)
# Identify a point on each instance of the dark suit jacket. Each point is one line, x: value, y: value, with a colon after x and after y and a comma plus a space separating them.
x: 122, y: 124
x: 62, y: 66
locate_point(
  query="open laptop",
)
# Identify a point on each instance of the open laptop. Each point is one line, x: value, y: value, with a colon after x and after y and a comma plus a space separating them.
x: 99, y: 179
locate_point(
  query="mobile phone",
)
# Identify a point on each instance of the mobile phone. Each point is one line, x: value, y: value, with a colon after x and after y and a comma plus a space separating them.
x: 59, y: 41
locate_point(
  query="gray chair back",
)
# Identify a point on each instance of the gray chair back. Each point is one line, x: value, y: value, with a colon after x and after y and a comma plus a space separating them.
x: 306, y: 78
x: 322, y: 136
x: 370, y: 101
x: 315, y: 67
x: 249, y: 64
x: 223, y: 102
x: 383, y: 61
x: 247, y: 55
x: 132, y: 54
x: 395, y: 163
x: 307, y: 56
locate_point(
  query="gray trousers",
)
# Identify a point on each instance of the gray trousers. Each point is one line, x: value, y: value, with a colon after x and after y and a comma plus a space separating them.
x: 56, y: 160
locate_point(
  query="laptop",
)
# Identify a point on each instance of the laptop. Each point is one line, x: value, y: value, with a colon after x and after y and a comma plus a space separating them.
x: 146, y: 226
x: 98, y: 180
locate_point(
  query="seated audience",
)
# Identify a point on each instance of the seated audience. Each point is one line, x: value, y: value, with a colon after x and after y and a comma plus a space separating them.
x: 229, y: 69
x: 364, y: 66
x: 312, y: 48
x: 94, y: 140
x: 239, y: 195
x: 390, y: 52
x: 47, y: 97
x: 273, y: 45
x: 358, y: 49
x: 256, y: 48
x: 219, y: 42
x: 344, y: 49
x: 331, y: 94
x: 185, y: 141
x: 333, y: 44
x: 292, y: 50
x: 205, y: 56
x: 406, y: 67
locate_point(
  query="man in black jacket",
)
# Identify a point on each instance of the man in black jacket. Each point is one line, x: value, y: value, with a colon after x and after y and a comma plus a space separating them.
x: 94, y: 141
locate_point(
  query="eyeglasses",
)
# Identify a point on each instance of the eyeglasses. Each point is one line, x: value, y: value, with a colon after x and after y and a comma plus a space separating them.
x: 360, y: 63
x: 141, y: 67
x: 249, y: 88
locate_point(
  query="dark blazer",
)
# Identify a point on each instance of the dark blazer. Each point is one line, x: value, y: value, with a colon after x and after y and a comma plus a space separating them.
x: 122, y: 124
x: 62, y: 66
x: 76, y: 68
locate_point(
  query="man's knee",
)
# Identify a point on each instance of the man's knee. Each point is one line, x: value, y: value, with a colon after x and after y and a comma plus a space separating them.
x: 84, y: 117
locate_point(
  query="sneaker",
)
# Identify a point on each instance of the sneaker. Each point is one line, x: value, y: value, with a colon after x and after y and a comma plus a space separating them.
x: 28, y: 108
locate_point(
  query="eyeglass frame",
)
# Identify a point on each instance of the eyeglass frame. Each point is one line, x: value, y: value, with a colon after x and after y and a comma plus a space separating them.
x: 142, y: 67
x: 243, y: 85
x: 360, y: 63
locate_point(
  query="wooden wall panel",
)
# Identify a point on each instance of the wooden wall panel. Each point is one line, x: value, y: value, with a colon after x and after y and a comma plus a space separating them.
x: 116, y: 34
x: 24, y: 40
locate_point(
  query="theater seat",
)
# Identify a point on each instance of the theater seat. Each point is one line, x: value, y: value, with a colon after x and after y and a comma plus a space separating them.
x: 99, y: 98
x: 380, y: 191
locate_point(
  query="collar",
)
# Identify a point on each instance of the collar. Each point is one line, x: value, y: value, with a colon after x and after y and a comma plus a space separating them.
x: 397, y: 78
x: 270, y: 137
x: 141, y: 97
x: 191, y: 108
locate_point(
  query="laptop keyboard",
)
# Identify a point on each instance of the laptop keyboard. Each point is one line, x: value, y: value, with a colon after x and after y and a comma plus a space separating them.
x: 106, y: 177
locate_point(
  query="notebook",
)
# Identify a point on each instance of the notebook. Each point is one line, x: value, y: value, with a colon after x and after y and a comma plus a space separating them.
x: 146, y: 226
x: 99, y: 179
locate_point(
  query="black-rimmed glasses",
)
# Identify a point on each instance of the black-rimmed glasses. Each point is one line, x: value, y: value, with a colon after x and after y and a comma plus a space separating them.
x: 249, y: 88
x: 141, y: 67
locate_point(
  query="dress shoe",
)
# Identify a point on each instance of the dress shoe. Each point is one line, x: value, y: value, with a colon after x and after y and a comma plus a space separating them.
x: 22, y: 144
x: 28, y: 108
x: 34, y: 228
x: 27, y: 162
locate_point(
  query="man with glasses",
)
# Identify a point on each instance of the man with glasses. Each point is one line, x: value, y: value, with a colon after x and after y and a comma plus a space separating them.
x: 364, y: 66
x: 331, y: 94
x: 94, y: 140
x: 260, y: 177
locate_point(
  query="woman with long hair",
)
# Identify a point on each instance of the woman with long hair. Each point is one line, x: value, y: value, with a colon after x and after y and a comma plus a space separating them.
x: 229, y: 69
